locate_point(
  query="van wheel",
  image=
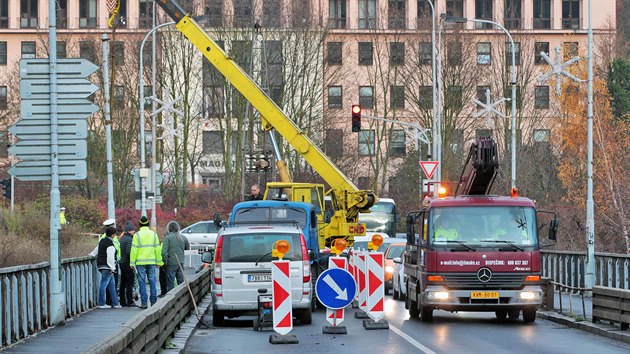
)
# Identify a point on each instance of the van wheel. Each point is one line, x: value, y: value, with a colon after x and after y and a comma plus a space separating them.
x: 529, y: 315
x: 427, y: 314
x: 501, y: 314
x: 306, y: 317
x: 514, y: 314
x: 217, y: 318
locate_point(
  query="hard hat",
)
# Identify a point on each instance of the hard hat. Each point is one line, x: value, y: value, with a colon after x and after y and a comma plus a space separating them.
x: 109, y: 222
x: 62, y: 208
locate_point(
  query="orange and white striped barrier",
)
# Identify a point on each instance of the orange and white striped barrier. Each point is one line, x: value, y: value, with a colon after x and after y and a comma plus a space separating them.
x: 374, y: 284
x: 335, y: 317
x: 281, y: 293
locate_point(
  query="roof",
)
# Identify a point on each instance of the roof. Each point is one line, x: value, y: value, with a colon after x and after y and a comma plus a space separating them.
x: 481, y: 200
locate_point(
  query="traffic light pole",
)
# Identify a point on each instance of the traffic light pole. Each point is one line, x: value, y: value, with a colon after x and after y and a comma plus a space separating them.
x: 421, y: 134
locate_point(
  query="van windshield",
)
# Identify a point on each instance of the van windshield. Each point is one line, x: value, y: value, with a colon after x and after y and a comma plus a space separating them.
x: 271, y: 216
x: 257, y: 247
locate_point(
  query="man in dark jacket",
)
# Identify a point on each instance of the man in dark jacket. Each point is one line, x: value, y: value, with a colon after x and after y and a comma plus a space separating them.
x: 256, y: 195
x: 106, y: 263
x: 127, y: 277
x: 173, y: 254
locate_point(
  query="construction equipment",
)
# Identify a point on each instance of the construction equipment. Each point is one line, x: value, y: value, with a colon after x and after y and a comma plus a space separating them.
x: 348, y: 200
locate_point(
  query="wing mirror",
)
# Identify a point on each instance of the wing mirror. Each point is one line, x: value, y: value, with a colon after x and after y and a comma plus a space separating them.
x: 207, y: 257
x: 397, y: 260
x: 411, y: 234
x: 553, y: 229
x: 217, y: 220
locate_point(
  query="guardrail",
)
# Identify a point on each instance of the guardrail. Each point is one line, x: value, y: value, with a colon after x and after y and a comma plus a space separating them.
x: 149, y: 330
x: 568, y: 268
x: 25, y: 294
x: 611, y: 305
x: 192, y: 257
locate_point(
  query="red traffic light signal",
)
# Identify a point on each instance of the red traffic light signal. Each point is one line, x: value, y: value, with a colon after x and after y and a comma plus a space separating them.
x: 356, y: 118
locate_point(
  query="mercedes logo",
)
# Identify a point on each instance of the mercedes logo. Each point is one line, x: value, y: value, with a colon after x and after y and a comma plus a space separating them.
x: 484, y: 275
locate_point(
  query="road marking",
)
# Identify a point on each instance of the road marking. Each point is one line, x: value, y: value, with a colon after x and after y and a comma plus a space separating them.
x: 412, y: 341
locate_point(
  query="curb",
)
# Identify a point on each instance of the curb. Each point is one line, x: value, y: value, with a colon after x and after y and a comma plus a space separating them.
x: 600, y: 329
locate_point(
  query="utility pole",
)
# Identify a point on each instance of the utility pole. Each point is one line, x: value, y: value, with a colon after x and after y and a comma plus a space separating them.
x: 589, y: 279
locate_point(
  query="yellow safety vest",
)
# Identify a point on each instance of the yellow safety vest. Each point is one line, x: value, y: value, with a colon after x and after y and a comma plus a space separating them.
x: 449, y: 234
x: 62, y: 218
x: 145, y: 248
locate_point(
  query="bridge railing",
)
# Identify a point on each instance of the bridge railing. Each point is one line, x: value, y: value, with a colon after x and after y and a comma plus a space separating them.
x: 25, y: 294
x: 192, y: 257
x: 568, y: 268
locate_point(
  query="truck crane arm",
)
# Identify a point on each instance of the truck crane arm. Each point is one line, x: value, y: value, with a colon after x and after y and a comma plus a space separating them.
x: 481, y: 168
x: 349, y: 197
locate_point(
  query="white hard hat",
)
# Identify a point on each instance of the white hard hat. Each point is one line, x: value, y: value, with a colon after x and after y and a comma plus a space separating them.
x: 109, y: 222
x: 62, y: 208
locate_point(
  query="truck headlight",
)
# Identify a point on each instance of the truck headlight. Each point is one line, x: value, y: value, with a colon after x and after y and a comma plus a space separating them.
x: 529, y: 295
x: 438, y: 295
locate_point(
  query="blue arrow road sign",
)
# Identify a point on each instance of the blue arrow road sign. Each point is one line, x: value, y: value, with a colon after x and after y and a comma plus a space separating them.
x: 335, y: 288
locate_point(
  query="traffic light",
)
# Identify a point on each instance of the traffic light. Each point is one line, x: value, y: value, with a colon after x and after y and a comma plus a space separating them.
x: 6, y: 187
x: 356, y: 118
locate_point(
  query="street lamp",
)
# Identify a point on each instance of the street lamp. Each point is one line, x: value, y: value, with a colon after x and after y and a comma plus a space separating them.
x: 453, y: 19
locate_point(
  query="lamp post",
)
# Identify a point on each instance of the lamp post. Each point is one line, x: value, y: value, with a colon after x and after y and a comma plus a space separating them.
x: 589, y: 279
x: 141, y: 111
x: 433, y: 101
x: 452, y: 19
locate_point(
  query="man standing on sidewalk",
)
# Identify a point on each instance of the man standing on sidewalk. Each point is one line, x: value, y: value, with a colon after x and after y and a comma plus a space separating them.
x: 127, y: 276
x: 173, y: 255
x: 146, y: 257
x: 106, y: 262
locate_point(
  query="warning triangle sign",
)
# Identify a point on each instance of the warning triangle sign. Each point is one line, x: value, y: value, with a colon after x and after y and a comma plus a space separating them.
x: 429, y: 167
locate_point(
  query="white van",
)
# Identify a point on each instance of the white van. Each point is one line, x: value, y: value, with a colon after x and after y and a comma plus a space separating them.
x: 242, y: 270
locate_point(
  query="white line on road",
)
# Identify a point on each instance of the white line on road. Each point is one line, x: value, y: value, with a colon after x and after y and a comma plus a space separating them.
x: 412, y: 341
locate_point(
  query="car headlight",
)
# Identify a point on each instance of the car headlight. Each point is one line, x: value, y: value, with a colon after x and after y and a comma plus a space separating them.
x: 389, y: 269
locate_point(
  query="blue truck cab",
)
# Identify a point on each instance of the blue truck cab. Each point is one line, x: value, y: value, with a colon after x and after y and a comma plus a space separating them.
x: 270, y: 212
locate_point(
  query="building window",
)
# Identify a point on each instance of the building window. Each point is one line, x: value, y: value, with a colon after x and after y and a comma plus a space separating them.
x: 397, y: 14
x: 3, y: 98
x: 3, y: 53
x: 484, y: 54
x: 542, y: 97
x: 542, y: 135
x: 367, y: 14
x: 119, y: 96
x: 483, y: 11
x: 457, y: 141
x: 424, y: 10
x: 397, y: 97
x: 366, y: 142
x: 301, y: 16
x: 396, y: 53
x: 146, y: 13
x: 455, y: 8
x: 508, y: 53
x: 147, y: 55
x: 426, y: 53
x: 28, y: 13
x: 271, y: 14
x: 4, y: 13
x: 364, y: 183
x: 512, y: 14
x: 454, y: 50
x: 333, y: 143
x: 335, y: 98
x: 213, y: 11
x: 569, y: 50
x: 366, y: 96
x: 425, y: 99
x: 397, y: 146
x: 62, y: 13
x: 86, y: 51
x: 540, y: 47
x: 87, y: 14
x: 481, y: 95
x: 337, y: 14
x: 366, y: 53
x: 212, y: 142
x: 119, y: 53
x: 147, y: 92
x: 28, y: 50
x: 542, y: 14
x: 334, y: 53
x: 571, y: 14
x: 508, y: 93
x: 453, y: 98
x: 242, y: 10
x: 61, y: 50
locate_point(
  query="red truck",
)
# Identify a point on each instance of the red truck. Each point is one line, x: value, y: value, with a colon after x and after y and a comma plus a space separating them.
x: 474, y: 251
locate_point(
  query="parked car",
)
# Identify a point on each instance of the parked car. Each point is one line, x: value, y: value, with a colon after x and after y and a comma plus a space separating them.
x: 202, y: 233
x: 394, y: 250
x: 242, y: 270
x: 399, y: 291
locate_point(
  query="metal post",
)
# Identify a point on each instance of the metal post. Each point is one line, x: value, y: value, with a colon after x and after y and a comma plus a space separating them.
x: 153, y: 129
x: 141, y: 111
x: 589, y: 279
x: 438, y: 130
x: 433, y: 118
x: 57, y: 297
x: 111, y: 206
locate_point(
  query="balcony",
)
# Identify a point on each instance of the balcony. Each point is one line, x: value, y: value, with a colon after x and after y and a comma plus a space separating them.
x: 513, y: 23
x: 88, y: 22
x: 397, y: 22
x: 337, y: 23
x: 367, y: 22
x: 571, y: 23
x: 542, y: 23
x: 480, y: 25
x: 28, y: 22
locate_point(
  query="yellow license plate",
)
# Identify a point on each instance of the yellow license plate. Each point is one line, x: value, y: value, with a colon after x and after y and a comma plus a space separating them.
x: 484, y: 294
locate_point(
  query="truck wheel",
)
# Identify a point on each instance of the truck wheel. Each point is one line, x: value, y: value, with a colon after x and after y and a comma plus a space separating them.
x: 514, y: 314
x: 306, y: 317
x: 414, y: 312
x: 217, y: 318
x: 427, y: 314
x: 501, y: 314
x: 529, y: 315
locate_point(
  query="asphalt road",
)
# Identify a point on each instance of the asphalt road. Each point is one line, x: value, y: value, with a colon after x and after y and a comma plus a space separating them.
x: 448, y: 333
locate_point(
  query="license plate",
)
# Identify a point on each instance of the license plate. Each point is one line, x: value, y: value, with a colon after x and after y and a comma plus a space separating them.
x: 258, y: 278
x: 484, y: 294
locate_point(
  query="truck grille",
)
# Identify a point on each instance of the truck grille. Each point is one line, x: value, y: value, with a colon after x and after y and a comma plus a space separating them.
x: 470, y: 281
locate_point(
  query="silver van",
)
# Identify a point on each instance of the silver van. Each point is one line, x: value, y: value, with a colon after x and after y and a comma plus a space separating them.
x: 242, y: 270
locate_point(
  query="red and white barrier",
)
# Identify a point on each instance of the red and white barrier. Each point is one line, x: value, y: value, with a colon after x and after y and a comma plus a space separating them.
x: 375, y: 285
x: 335, y: 317
x: 281, y: 293
x: 360, y: 269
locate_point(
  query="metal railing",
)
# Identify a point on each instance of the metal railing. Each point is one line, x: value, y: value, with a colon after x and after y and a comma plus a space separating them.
x: 192, y: 257
x: 542, y: 23
x: 572, y: 23
x: 25, y: 294
x: 567, y: 268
